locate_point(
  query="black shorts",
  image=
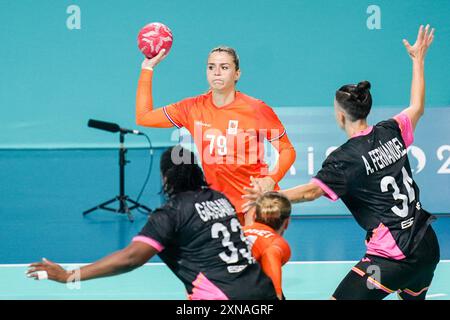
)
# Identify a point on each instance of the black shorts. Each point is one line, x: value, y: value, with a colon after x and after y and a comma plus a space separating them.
x: 376, y: 277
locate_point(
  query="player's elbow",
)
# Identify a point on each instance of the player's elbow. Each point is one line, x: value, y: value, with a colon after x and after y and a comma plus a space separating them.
x: 293, y: 154
x: 136, y: 262
x: 139, y: 121
x: 133, y: 260
x: 417, y: 110
x: 132, y: 263
x: 290, y: 153
x: 313, y: 194
x: 309, y: 196
x: 421, y: 112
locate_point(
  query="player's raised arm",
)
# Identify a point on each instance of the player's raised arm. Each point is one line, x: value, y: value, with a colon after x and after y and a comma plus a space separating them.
x: 145, y: 115
x: 417, y: 53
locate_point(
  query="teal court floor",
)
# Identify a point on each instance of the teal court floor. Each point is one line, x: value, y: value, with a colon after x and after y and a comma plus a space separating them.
x: 154, y: 281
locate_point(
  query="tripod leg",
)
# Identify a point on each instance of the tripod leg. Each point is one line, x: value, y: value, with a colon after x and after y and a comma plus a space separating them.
x: 124, y: 208
x: 138, y: 205
x: 99, y: 206
x: 122, y: 198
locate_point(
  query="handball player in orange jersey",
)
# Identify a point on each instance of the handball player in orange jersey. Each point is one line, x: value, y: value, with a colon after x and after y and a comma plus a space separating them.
x: 269, y: 248
x: 228, y: 127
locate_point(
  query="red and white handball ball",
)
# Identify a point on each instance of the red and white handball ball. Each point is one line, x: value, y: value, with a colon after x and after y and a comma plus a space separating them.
x: 153, y: 38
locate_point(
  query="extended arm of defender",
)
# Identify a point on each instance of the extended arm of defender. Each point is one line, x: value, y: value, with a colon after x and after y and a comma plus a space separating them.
x: 128, y: 259
x: 303, y: 193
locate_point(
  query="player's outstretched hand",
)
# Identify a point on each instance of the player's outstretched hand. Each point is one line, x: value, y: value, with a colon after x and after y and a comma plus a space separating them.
x: 149, y: 64
x: 265, y: 184
x: 424, y: 39
x: 54, y: 271
x: 252, y: 194
x: 247, y: 206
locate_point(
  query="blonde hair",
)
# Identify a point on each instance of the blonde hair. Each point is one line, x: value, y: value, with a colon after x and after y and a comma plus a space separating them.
x: 272, y: 209
x: 228, y: 50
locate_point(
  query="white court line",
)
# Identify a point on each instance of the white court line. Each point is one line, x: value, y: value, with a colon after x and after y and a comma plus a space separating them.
x: 321, y: 262
x: 436, y: 295
x: 163, y: 264
x: 338, y: 262
x: 70, y: 264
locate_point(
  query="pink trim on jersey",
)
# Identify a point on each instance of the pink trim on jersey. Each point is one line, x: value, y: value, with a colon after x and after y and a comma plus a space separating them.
x: 151, y: 242
x: 415, y: 294
x: 328, y: 192
x: 404, y: 122
x: 378, y: 285
x: 205, y: 290
x: 363, y: 133
x: 382, y: 244
x: 358, y: 271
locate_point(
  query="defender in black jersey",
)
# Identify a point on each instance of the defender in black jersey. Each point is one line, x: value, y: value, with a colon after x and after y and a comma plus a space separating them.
x: 372, y: 175
x: 196, y: 233
x: 199, y: 237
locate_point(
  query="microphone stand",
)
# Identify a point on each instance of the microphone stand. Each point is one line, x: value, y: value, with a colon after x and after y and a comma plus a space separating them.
x: 124, y: 208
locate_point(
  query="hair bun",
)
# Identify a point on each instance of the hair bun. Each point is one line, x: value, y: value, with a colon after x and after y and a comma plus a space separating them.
x: 363, y: 85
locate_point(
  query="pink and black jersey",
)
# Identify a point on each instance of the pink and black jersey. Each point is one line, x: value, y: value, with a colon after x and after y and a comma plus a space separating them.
x: 200, y: 239
x: 372, y: 175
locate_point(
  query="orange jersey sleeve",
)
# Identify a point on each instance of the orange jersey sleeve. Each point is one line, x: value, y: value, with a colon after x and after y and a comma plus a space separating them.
x: 273, y: 258
x: 270, y: 250
x: 172, y: 115
x: 271, y: 265
x: 276, y: 135
x: 269, y: 121
x: 145, y: 115
x: 286, y: 158
x: 180, y: 113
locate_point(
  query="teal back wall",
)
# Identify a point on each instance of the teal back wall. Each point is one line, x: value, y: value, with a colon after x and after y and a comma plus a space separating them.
x: 293, y: 54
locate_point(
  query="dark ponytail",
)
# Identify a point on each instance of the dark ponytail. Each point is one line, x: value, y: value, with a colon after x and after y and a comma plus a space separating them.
x: 180, y: 171
x: 356, y: 100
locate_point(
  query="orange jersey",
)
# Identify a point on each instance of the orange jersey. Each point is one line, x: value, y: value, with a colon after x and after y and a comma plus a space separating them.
x: 270, y: 249
x: 229, y: 139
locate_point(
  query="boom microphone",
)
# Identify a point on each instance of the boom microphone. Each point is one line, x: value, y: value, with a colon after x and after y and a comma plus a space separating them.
x: 111, y: 127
